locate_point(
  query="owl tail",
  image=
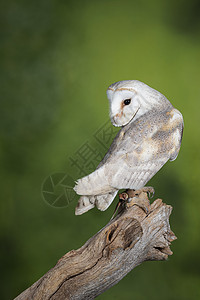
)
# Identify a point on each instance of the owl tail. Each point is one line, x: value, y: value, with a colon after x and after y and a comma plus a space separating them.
x: 102, y: 202
x: 95, y: 183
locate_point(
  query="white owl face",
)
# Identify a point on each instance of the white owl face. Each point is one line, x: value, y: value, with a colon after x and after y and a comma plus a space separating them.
x: 130, y: 99
x: 125, y: 105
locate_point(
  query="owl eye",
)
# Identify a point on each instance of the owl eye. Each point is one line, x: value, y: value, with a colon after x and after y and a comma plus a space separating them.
x: 127, y: 101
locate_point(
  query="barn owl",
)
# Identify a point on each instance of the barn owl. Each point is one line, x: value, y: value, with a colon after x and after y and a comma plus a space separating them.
x: 150, y: 135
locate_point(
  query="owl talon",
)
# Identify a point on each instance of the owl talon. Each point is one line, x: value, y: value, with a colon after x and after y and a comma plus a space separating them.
x: 147, y: 189
x: 143, y: 203
x: 139, y: 198
x: 150, y: 191
x: 134, y: 197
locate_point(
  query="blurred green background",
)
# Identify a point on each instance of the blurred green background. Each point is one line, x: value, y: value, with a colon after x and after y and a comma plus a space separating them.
x: 57, y: 60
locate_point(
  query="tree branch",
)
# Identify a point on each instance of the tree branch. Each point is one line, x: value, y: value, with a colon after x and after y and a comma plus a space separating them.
x: 132, y: 237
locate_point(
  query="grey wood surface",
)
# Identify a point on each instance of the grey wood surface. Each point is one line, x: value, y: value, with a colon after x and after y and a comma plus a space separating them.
x: 139, y: 232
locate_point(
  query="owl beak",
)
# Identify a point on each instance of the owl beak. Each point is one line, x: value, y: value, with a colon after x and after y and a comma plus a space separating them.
x: 114, y: 122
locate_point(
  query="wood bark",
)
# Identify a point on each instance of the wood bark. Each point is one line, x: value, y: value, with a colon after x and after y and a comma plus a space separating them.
x: 139, y: 232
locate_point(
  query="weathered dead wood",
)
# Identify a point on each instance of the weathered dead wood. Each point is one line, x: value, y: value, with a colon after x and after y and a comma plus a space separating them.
x: 132, y: 237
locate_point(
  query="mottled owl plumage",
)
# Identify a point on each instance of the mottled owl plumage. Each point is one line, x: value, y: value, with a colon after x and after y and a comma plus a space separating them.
x: 151, y: 135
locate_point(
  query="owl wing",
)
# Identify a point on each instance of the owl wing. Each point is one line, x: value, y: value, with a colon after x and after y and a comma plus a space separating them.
x: 134, y: 170
x: 136, y: 155
x: 142, y: 160
x: 160, y: 144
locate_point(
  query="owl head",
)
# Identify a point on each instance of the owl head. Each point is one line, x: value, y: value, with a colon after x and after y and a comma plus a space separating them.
x: 130, y: 99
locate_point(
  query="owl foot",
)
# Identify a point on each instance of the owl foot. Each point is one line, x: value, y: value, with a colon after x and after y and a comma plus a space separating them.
x: 135, y: 197
x: 140, y: 198
x: 136, y: 193
x: 142, y: 202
